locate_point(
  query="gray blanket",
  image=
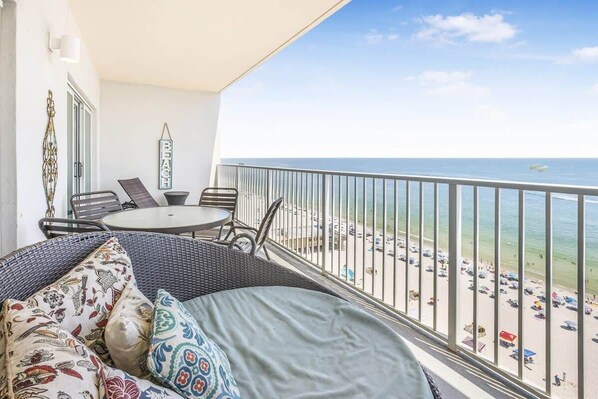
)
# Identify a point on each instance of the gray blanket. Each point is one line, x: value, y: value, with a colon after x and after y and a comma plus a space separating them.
x: 291, y: 343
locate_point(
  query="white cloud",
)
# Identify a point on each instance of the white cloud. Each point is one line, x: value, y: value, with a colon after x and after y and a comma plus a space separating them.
x: 397, y: 8
x: 449, y: 83
x: 373, y: 37
x: 444, y: 77
x: 586, y: 54
x: 468, y: 26
x: 595, y: 89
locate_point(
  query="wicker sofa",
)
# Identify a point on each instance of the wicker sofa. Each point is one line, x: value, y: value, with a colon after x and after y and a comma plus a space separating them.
x: 185, y: 267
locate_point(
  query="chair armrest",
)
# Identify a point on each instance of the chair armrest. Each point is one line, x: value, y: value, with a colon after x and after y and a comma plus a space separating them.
x: 254, y: 230
x: 232, y: 244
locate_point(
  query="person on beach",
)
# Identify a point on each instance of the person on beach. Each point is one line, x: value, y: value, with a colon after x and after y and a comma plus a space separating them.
x: 557, y: 380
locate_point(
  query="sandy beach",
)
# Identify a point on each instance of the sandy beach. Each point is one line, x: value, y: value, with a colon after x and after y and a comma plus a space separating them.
x: 387, y: 283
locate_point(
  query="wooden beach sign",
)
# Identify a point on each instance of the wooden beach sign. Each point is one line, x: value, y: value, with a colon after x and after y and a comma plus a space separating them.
x: 165, y: 160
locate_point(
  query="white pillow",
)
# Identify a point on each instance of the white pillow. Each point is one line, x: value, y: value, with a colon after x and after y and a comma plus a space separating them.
x: 127, y: 332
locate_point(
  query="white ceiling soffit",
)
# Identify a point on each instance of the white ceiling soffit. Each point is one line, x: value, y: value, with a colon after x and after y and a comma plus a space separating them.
x: 191, y: 44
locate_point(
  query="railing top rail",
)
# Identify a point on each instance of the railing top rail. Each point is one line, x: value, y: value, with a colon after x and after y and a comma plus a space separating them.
x: 513, y: 185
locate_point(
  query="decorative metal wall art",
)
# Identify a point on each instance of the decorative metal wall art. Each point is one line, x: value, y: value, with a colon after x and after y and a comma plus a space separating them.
x: 165, y: 160
x: 50, y: 158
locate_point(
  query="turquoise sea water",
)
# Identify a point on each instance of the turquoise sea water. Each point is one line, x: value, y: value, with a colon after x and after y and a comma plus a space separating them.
x: 560, y: 171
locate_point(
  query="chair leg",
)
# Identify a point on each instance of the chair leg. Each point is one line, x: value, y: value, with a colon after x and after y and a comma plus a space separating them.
x: 266, y: 252
x: 219, y: 233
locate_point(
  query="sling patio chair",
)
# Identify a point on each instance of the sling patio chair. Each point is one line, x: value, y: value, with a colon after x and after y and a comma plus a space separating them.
x: 138, y: 193
x: 218, y: 197
x: 95, y: 205
x: 249, y: 239
x: 58, y: 227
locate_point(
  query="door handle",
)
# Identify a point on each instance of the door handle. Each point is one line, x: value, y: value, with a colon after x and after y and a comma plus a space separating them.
x: 78, y: 169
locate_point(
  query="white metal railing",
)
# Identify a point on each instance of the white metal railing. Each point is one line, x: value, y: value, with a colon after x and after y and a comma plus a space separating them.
x: 376, y: 233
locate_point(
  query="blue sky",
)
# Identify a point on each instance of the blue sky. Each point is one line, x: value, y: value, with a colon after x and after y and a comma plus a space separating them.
x: 426, y: 78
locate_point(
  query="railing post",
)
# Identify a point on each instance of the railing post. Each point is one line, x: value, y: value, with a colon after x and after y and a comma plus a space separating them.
x: 237, y: 177
x: 324, y: 213
x: 454, y: 264
x: 268, y: 188
x: 216, y: 175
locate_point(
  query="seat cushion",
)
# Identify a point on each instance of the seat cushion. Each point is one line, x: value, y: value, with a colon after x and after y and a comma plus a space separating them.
x: 82, y: 300
x: 183, y: 358
x: 43, y: 360
x: 117, y: 384
x: 293, y: 343
x: 127, y: 332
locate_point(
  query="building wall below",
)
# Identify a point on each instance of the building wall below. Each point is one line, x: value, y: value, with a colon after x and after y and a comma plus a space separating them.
x: 132, y: 119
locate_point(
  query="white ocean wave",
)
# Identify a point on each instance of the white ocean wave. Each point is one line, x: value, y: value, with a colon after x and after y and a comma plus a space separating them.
x: 563, y: 197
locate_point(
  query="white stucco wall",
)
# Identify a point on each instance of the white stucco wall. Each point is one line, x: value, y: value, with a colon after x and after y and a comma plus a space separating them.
x: 40, y: 70
x: 132, y: 118
x: 8, y: 137
x: 125, y: 135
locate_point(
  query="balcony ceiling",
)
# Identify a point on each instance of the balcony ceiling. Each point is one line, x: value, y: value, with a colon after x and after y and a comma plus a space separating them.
x: 191, y: 44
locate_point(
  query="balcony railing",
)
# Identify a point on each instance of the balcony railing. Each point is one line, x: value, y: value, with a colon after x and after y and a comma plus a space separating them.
x: 451, y: 256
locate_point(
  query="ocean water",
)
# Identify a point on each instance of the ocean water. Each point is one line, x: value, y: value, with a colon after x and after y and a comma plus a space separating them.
x: 582, y: 172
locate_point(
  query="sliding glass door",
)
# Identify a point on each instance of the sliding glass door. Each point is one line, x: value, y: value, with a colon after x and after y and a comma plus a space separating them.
x: 79, y: 125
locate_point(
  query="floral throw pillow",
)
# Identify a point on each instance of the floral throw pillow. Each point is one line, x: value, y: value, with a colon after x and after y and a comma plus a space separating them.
x: 82, y: 300
x: 43, y: 360
x: 3, y: 380
x: 117, y: 384
x: 127, y: 332
x: 182, y: 357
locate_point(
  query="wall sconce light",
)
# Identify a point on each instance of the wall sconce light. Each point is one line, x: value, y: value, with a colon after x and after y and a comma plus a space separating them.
x: 69, y: 46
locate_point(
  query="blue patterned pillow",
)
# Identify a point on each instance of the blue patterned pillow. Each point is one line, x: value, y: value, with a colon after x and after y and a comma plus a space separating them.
x: 183, y: 358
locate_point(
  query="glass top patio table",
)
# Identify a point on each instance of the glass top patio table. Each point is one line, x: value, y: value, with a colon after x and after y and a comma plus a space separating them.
x: 168, y: 219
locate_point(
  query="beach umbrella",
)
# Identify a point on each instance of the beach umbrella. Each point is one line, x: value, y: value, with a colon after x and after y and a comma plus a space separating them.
x: 587, y: 309
x: 507, y: 336
x: 526, y: 352
x: 481, y: 330
x: 469, y: 342
x: 570, y: 324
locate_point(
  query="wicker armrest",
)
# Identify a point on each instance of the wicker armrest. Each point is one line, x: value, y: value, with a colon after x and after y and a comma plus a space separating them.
x: 185, y: 267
